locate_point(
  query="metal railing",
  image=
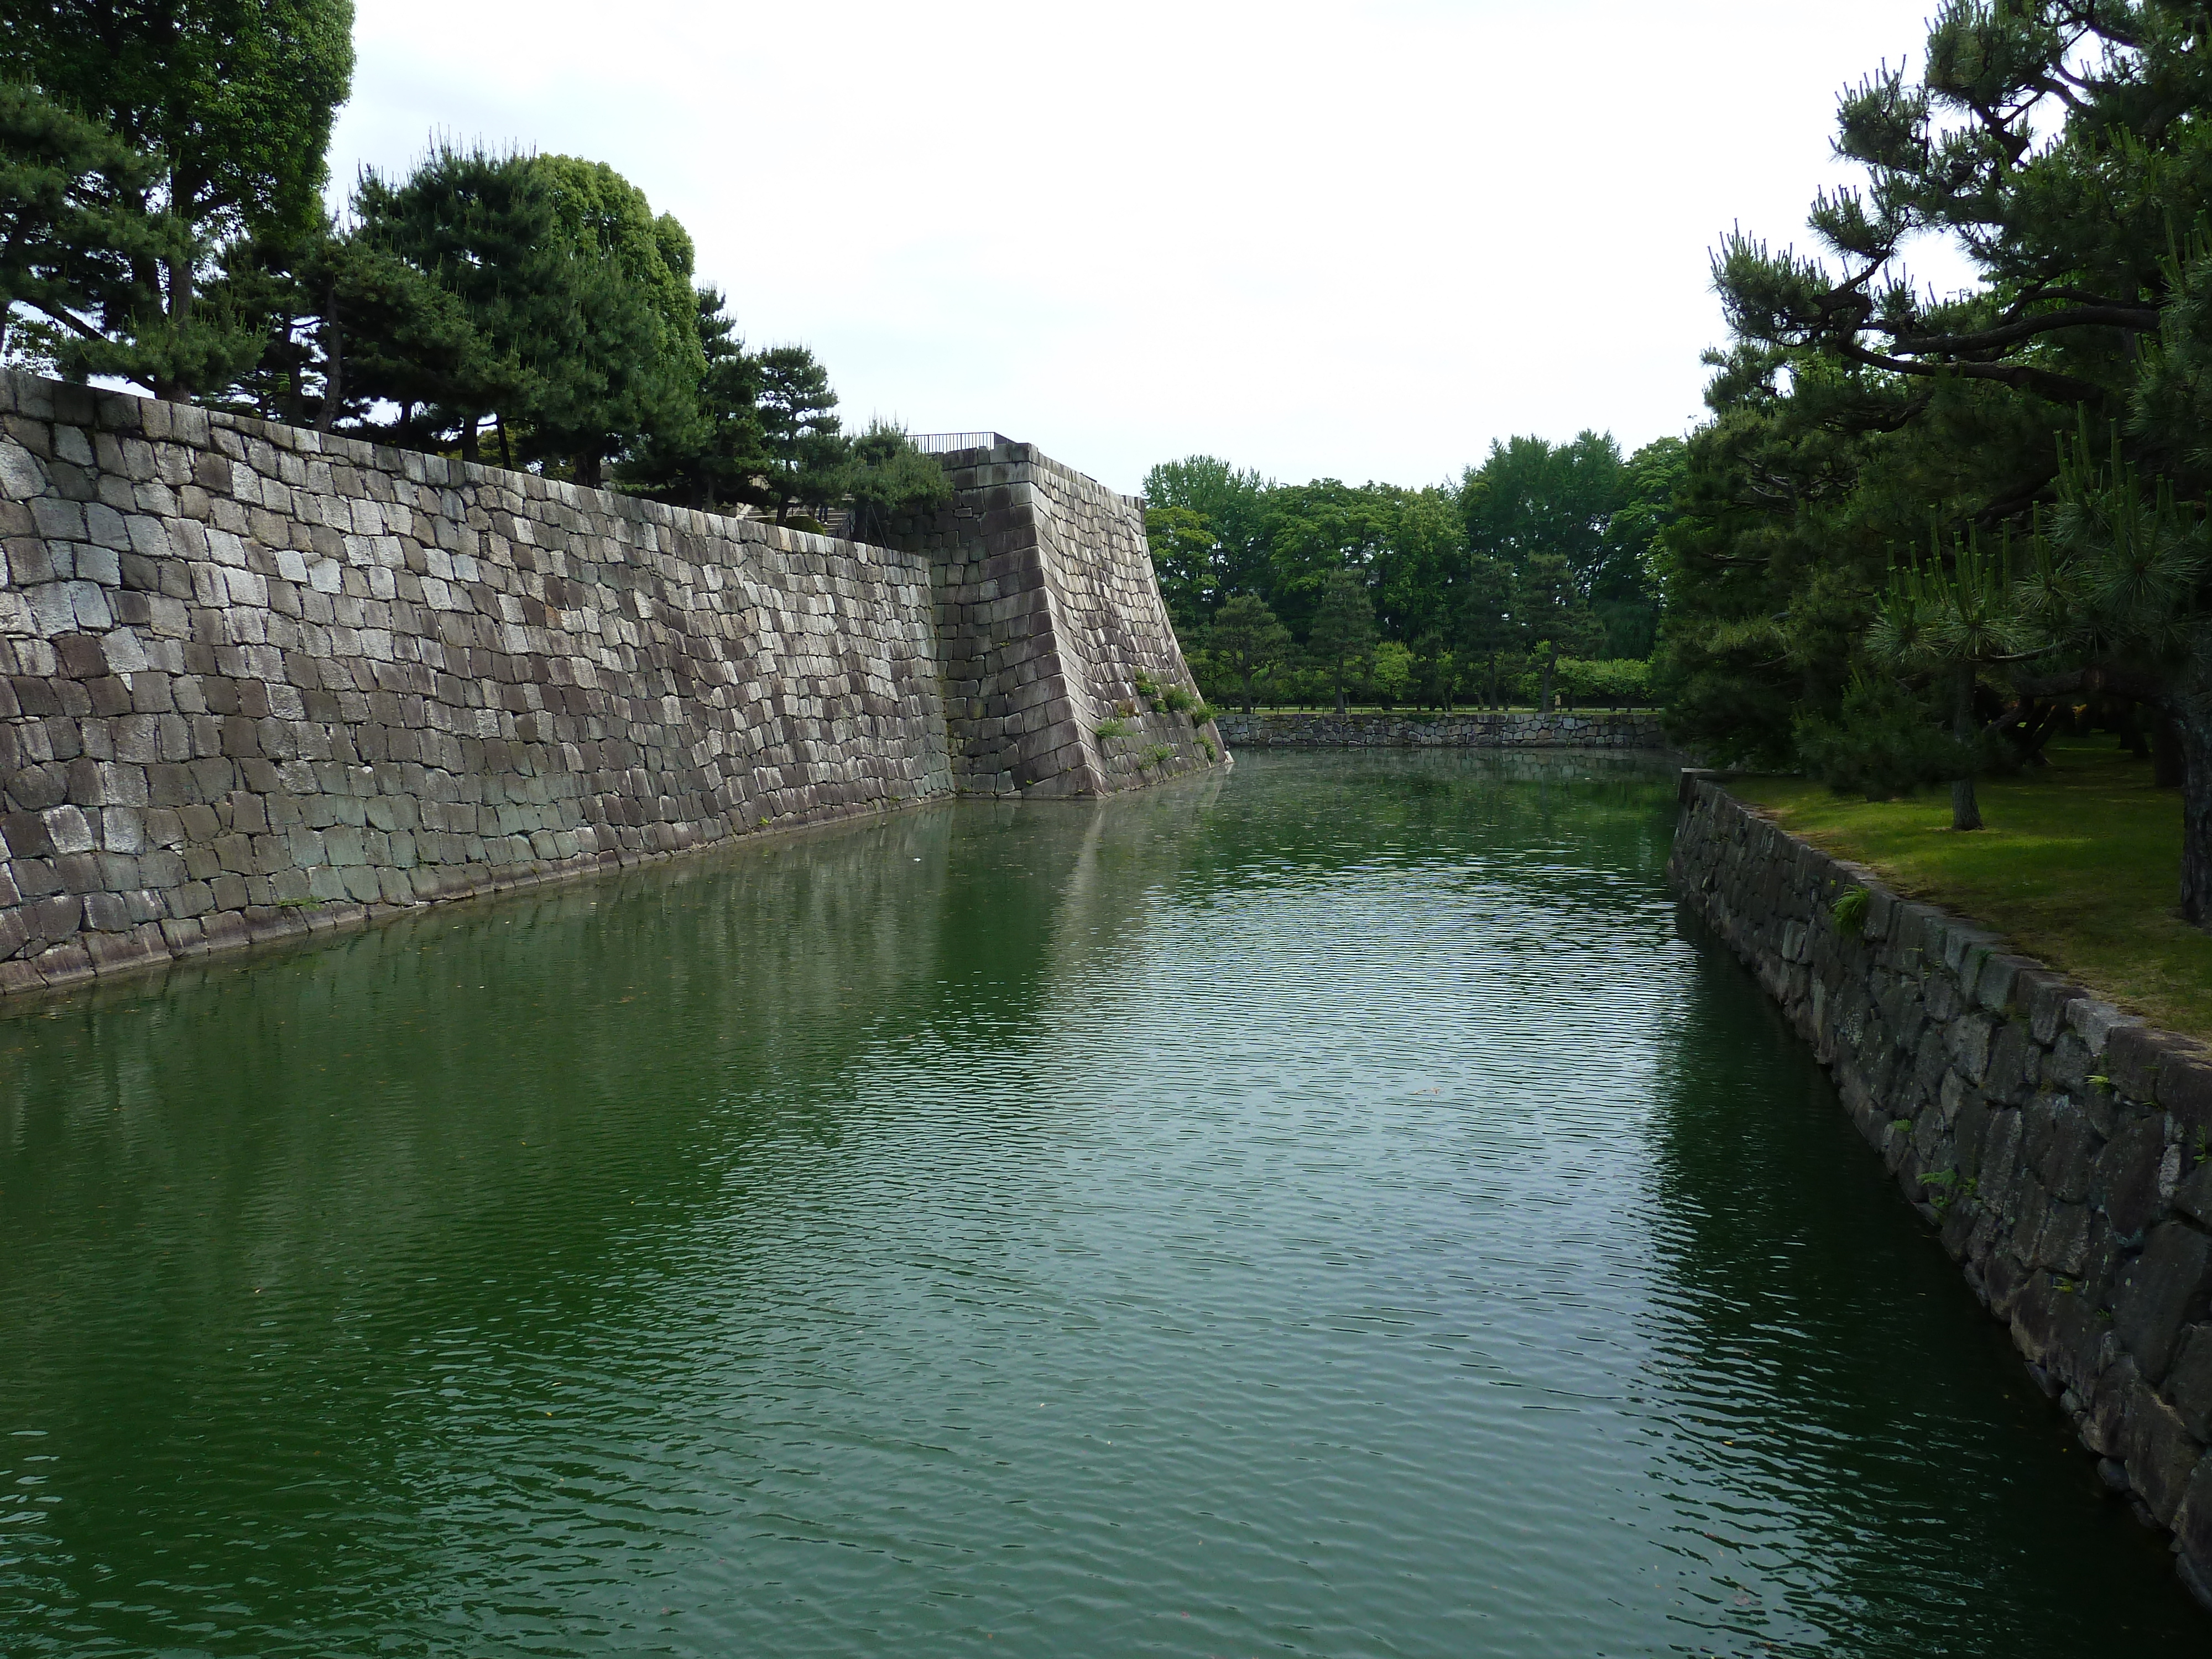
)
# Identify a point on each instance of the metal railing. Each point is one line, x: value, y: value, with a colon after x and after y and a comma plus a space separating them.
x: 943, y: 443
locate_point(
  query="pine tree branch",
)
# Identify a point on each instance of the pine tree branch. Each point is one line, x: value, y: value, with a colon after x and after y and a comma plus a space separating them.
x: 2022, y: 377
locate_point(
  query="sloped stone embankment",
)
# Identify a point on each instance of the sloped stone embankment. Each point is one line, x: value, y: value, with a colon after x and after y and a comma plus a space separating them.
x: 256, y: 681
x: 2063, y: 1149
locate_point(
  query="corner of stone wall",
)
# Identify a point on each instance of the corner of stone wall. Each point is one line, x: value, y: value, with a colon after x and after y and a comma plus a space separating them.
x: 2062, y: 1148
x: 1050, y: 625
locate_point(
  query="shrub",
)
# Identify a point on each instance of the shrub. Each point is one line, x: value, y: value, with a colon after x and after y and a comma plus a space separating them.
x: 1580, y: 682
x: 1883, y: 742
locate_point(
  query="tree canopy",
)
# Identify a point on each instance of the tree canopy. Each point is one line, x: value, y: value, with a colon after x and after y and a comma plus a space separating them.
x: 161, y: 219
x: 1913, y: 513
x: 1442, y: 569
x: 230, y: 102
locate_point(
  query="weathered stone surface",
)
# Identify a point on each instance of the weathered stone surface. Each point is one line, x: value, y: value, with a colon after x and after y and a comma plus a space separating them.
x: 2060, y: 1135
x: 2189, y: 1383
x: 2124, y: 1179
x: 2161, y: 1291
x: 310, y: 673
x: 2159, y: 1452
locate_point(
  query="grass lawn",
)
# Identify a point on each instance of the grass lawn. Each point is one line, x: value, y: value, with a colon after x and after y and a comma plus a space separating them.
x: 2080, y: 866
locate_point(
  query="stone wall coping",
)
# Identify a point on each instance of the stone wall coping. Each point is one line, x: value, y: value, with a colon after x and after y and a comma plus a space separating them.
x: 25, y: 393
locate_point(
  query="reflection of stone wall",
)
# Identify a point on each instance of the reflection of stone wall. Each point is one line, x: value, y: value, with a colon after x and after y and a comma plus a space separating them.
x: 1474, y: 729
x: 258, y: 680
x: 2060, y: 1145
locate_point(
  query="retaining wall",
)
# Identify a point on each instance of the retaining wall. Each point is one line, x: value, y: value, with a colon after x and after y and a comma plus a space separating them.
x: 1049, y: 611
x: 1472, y: 729
x: 255, y: 680
x: 2059, y: 1146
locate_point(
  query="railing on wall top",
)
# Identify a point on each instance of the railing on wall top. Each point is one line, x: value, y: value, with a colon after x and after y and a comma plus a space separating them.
x: 943, y: 443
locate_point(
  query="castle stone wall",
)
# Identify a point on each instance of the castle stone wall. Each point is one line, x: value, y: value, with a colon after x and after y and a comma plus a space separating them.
x: 256, y: 681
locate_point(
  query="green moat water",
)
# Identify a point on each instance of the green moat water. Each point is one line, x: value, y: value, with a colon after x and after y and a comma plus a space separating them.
x: 1329, y: 1211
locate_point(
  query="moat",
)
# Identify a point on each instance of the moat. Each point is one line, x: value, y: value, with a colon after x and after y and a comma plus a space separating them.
x: 1330, y: 1210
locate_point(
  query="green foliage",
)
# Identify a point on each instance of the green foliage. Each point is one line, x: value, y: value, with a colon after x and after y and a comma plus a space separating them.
x: 73, y: 220
x: 1114, y: 727
x: 452, y: 297
x: 803, y: 449
x: 1855, y: 414
x: 706, y: 463
x: 885, y: 477
x: 1249, y: 641
x: 231, y: 101
x: 1620, y: 682
x: 1543, y: 544
x: 633, y: 363
x: 1183, y: 548
x: 1158, y: 755
x: 1390, y: 673
x: 1849, y: 912
x: 1882, y: 743
x: 1343, y: 629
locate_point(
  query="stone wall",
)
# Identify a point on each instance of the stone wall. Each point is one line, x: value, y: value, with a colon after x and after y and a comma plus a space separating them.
x: 256, y: 681
x: 2062, y: 1148
x: 1470, y: 729
x: 1049, y: 612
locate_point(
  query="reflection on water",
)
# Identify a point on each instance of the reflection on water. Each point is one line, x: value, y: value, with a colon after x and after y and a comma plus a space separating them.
x: 1329, y: 1211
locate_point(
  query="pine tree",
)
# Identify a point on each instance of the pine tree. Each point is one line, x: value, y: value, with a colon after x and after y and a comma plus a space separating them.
x: 1246, y: 638
x: 1343, y: 630
x: 803, y: 447
x: 1552, y: 616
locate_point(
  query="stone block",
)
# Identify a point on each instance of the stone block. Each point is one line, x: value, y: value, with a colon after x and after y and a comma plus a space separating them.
x: 2094, y: 1022
x: 2188, y: 1387
x: 2123, y: 1181
x: 2159, y: 1453
x: 2164, y: 1290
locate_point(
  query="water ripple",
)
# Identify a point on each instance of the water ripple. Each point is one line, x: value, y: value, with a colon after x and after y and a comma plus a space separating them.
x: 1332, y: 1213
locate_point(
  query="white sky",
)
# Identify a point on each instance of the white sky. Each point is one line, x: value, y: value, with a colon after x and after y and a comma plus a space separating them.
x: 1353, y: 239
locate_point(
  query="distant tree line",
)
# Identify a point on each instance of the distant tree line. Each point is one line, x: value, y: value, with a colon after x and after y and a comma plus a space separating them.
x: 1918, y: 533
x: 1477, y: 592
x: 163, y: 221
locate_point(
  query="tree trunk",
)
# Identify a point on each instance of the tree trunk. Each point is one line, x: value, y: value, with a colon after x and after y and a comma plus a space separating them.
x: 1248, y: 696
x: 1340, y: 689
x: 505, y: 454
x: 1551, y: 663
x: 2167, y: 769
x: 2193, y: 731
x: 2131, y: 732
x: 334, y: 357
x: 1493, y: 702
x: 469, y: 438
x: 1966, y: 811
x: 587, y: 469
x: 179, y: 307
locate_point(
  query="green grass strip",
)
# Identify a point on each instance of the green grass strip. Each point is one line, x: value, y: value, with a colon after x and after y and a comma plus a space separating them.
x: 2080, y: 866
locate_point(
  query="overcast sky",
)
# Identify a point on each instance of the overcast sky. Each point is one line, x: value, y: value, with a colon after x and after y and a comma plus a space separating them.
x: 1358, y: 240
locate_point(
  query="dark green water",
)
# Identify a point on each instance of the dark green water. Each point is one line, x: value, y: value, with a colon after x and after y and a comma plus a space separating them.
x: 1331, y: 1212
